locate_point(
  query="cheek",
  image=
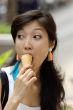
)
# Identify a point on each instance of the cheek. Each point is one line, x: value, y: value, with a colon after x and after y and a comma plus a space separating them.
x: 41, y: 55
x: 18, y: 49
x: 43, y: 50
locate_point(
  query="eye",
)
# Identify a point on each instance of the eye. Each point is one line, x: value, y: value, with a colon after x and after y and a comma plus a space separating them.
x: 20, y: 36
x: 37, y: 37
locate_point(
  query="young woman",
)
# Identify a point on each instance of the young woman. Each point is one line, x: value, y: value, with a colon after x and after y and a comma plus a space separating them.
x: 37, y: 86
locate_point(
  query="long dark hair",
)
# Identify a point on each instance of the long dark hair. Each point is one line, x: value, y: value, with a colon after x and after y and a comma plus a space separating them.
x: 52, y: 91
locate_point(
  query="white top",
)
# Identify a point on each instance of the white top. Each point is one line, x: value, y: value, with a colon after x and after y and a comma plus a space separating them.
x: 11, y: 86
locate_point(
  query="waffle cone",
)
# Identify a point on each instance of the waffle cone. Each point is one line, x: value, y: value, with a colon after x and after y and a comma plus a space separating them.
x: 26, y: 59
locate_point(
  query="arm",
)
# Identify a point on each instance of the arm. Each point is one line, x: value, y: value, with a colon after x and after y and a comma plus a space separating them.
x: 23, y: 83
x: 12, y: 104
x: 0, y: 106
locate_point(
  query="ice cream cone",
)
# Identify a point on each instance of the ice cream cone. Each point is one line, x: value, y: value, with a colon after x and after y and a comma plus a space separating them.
x: 26, y: 59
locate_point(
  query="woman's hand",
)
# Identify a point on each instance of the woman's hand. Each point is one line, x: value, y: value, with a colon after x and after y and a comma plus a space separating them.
x: 24, y: 81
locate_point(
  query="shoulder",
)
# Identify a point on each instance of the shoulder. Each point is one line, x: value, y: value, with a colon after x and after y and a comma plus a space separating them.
x: 10, y: 77
x: 4, y: 88
x: 0, y: 88
x: 0, y: 94
x: 7, y: 69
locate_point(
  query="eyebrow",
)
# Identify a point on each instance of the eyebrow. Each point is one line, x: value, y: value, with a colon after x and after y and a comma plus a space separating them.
x: 36, y: 29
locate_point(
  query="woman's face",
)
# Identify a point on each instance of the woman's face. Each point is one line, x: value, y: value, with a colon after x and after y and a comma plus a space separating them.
x: 33, y: 39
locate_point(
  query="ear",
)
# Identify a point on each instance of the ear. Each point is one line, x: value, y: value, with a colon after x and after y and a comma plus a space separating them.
x: 51, y: 44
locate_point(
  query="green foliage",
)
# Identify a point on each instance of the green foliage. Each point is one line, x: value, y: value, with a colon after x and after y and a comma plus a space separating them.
x: 5, y: 56
x: 4, y: 28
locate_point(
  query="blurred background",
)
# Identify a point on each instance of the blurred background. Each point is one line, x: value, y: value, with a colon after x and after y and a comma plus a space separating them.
x: 62, y: 11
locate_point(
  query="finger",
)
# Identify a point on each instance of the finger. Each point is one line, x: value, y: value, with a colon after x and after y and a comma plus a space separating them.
x: 32, y: 81
x: 30, y: 75
x: 23, y: 69
x: 28, y: 71
x: 27, y: 66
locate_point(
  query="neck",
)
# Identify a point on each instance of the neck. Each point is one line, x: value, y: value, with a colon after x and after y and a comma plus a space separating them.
x: 37, y: 72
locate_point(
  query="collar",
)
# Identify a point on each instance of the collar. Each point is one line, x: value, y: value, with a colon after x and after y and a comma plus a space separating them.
x: 15, y: 70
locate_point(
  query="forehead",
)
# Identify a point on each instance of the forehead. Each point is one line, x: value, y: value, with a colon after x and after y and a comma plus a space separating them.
x: 33, y: 25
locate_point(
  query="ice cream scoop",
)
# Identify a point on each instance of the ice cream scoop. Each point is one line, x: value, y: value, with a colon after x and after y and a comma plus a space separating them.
x: 26, y: 59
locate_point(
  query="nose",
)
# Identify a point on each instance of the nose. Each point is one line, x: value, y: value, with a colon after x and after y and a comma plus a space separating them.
x: 28, y: 44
